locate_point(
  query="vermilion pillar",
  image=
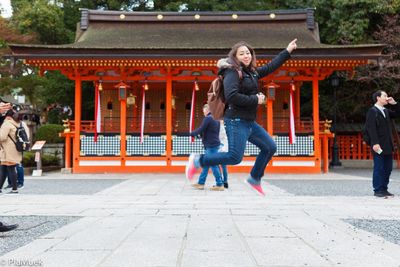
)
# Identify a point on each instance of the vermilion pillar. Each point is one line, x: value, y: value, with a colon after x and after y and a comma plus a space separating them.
x: 169, y: 117
x: 315, y: 93
x: 123, y: 131
x: 78, y: 104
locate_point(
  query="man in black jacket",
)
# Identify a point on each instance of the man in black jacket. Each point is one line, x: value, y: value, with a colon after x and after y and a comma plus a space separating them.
x: 379, y: 128
x: 3, y: 108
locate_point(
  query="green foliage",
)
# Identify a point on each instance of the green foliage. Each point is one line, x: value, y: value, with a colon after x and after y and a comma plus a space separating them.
x: 47, y: 160
x: 43, y: 18
x: 50, y: 160
x: 217, y: 5
x: 87, y: 110
x: 49, y: 133
x: 340, y: 22
x: 28, y: 159
x: 32, y: 88
x: 349, y: 21
x: 58, y: 89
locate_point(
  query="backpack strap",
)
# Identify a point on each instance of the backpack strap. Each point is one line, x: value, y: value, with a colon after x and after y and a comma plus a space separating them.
x: 15, y: 142
x: 12, y: 139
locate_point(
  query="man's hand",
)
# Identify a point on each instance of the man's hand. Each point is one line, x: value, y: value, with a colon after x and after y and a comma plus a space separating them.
x: 377, y: 148
x: 391, y: 101
x: 292, y: 46
x: 4, y: 107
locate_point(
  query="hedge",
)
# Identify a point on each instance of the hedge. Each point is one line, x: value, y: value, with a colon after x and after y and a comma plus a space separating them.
x: 49, y: 133
x: 28, y: 160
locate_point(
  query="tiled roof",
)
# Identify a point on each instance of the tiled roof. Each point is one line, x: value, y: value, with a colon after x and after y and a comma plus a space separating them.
x: 200, y: 33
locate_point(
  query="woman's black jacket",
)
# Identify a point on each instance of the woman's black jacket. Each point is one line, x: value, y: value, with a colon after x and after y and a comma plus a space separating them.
x: 240, y: 94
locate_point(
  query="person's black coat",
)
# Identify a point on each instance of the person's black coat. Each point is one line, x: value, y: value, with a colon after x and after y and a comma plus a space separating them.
x: 241, y: 95
x: 379, y: 128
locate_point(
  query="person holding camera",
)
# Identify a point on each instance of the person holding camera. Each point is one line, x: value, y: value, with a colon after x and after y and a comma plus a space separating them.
x: 10, y: 157
x: 4, y: 107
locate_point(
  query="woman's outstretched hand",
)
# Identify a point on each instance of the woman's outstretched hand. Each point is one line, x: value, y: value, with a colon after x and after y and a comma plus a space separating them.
x: 292, y: 46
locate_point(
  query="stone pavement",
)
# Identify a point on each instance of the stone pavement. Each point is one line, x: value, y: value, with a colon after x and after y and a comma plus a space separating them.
x: 160, y: 220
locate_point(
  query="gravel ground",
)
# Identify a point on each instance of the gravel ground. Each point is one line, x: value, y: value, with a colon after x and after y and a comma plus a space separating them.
x: 325, y: 187
x: 341, y: 187
x: 362, y: 173
x: 31, y: 227
x: 67, y: 186
x: 388, y: 229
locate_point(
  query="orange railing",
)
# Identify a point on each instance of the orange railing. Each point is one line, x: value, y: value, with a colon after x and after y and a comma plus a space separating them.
x: 155, y: 125
x: 351, y: 147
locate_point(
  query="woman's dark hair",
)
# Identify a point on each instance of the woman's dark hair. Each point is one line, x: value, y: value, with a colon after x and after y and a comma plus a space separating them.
x: 13, y: 114
x: 375, y: 95
x: 235, y: 62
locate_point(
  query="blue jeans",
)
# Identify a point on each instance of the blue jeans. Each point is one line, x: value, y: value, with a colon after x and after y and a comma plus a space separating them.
x: 239, y: 132
x: 383, y: 165
x: 224, y: 173
x: 215, y: 169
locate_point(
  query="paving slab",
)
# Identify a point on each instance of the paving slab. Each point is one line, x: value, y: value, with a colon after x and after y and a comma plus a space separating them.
x: 160, y: 220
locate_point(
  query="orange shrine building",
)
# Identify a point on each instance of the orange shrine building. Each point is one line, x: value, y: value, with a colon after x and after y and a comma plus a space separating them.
x: 150, y: 69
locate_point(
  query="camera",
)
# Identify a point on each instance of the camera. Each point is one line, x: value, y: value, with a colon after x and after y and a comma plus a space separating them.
x: 16, y: 107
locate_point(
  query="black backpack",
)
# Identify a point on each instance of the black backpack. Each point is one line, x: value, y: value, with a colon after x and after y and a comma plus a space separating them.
x: 21, y: 139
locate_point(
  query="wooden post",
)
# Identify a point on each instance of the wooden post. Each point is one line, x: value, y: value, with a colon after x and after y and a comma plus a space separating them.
x: 315, y: 98
x: 67, y: 151
x: 169, y: 117
x: 270, y: 116
x: 123, y: 131
x: 78, y: 104
x: 325, y: 156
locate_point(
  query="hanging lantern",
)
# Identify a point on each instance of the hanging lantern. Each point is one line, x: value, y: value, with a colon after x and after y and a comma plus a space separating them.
x: 122, y: 90
x: 173, y: 102
x: 100, y: 85
x: 196, y: 85
x: 131, y: 100
x: 145, y: 86
x: 271, y: 90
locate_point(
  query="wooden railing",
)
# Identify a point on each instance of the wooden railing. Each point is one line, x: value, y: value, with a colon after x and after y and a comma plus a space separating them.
x: 157, y: 125
x: 351, y: 147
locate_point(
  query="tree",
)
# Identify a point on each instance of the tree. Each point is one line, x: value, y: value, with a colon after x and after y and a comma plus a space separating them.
x: 340, y: 22
x: 10, y: 35
x: 386, y: 75
x: 44, y: 19
x: 9, y: 69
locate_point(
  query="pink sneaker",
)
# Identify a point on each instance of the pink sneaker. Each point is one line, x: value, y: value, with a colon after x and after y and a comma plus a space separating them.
x: 257, y: 188
x: 190, y: 169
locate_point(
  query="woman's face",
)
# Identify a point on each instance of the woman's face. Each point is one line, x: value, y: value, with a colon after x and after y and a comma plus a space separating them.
x: 243, y: 55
